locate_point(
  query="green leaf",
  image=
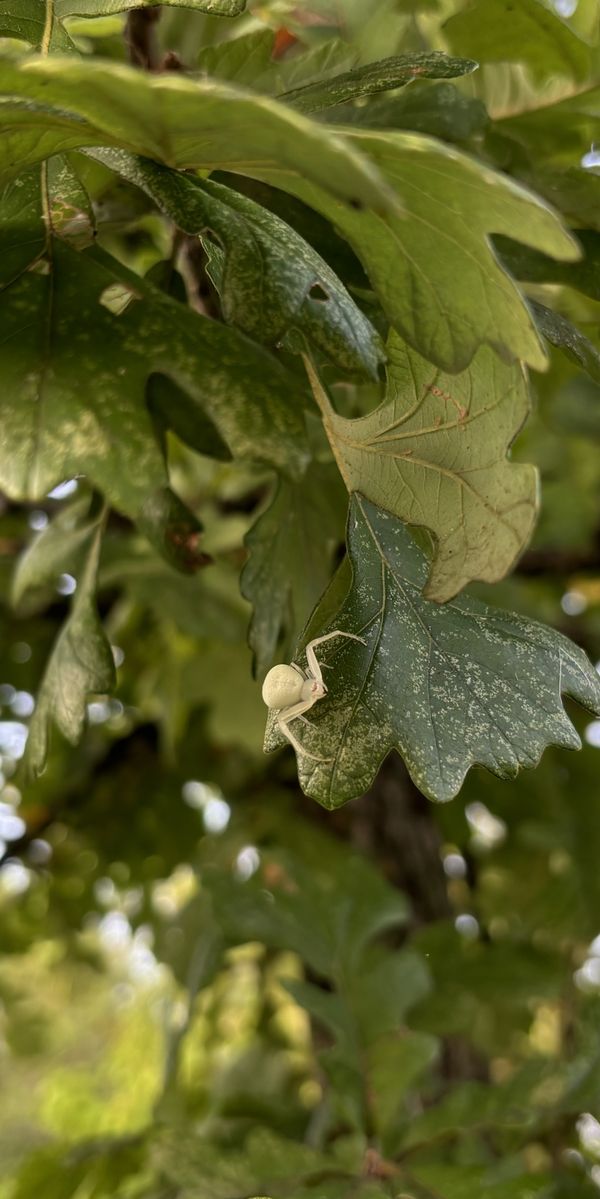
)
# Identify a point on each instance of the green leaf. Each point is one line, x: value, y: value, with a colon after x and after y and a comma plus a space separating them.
x: 266, y: 1165
x: 52, y: 104
x: 555, y: 134
x: 52, y: 431
x: 448, y: 687
x: 321, y: 61
x: 563, y: 334
x: 434, y: 454
x: 203, y: 605
x: 245, y: 61
x: 533, y: 267
x: 395, y: 1064
x: 27, y: 19
x: 272, y: 284
x: 528, y: 32
x: 330, y: 928
x: 96, y: 8
x: 433, y: 269
x: 56, y: 549
x: 381, y: 76
x: 81, y: 665
x: 385, y: 988
x: 172, y: 409
x: 290, y: 548
x: 439, y: 110
x: 449, y: 1181
x: 248, y: 61
x: 576, y: 192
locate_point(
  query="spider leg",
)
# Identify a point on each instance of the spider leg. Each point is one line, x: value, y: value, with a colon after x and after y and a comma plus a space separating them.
x: 313, y: 665
x: 292, y: 713
x: 299, y: 669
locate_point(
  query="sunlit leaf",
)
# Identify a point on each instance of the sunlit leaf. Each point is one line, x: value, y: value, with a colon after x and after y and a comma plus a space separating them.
x: 174, y: 119
x: 433, y: 270
x: 434, y: 454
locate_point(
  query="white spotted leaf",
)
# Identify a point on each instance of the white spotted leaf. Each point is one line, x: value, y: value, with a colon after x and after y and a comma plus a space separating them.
x: 60, y: 327
x: 272, y: 283
x: 449, y: 687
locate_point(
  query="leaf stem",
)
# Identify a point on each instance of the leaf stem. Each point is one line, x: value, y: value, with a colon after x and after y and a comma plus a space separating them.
x: 48, y: 28
x: 323, y: 403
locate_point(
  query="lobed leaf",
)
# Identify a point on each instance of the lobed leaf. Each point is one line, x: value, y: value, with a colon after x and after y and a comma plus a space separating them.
x: 58, y: 328
x: 56, y: 104
x: 432, y: 266
x: 448, y: 686
x: 271, y: 282
x: 434, y: 454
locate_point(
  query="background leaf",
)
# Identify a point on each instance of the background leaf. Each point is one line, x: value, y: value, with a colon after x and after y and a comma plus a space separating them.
x: 81, y: 664
x: 530, y: 32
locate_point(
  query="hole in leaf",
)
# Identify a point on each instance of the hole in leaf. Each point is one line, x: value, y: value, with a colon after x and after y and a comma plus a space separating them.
x: 318, y: 292
x: 117, y: 297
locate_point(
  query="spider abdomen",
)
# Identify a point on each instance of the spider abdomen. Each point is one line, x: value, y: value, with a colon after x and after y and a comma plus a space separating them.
x: 282, y: 687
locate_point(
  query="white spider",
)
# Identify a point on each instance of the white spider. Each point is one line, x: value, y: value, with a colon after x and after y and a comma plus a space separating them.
x: 291, y: 691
